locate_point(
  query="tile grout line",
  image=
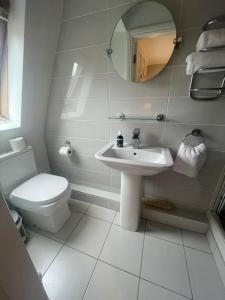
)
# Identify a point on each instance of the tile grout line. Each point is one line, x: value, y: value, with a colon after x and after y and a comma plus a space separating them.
x: 142, y: 253
x: 109, y: 222
x: 97, y: 260
x: 62, y: 245
x: 165, y: 288
x: 189, y: 277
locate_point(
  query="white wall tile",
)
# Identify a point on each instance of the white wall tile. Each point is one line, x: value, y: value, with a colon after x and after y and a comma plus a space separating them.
x: 205, y: 181
x: 151, y: 133
x: 195, y: 199
x: 83, y: 40
x: 82, y: 32
x: 111, y: 3
x: 79, y: 129
x: 197, y: 13
x: 81, y: 109
x: 180, y: 82
x: 84, y: 87
x: 78, y: 161
x: 84, y: 177
x: 157, y: 87
x: 138, y: 106
x: 73, y: 8
x: 83, y: 61
x: 187, y: 110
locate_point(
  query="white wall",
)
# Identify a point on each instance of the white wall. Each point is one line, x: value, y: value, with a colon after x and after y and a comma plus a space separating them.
x: 41, y: 29
x: 85, y: 34
x: 18, y: 277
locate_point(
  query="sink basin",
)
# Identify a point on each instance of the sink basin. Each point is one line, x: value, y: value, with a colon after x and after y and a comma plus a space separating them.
x: 146, y: 161
x: 133, y: 164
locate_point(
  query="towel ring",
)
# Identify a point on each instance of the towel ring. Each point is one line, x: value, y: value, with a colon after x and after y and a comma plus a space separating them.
x: 195, y: 132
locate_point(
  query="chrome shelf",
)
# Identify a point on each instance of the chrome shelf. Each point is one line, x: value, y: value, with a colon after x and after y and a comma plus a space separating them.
x: 123, y: 117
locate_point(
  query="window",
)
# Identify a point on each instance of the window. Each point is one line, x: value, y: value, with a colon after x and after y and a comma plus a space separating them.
x: 4, y: 6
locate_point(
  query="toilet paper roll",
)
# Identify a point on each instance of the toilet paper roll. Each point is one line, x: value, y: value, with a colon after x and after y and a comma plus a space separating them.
x: 17, y: 144
x: 65, y: 151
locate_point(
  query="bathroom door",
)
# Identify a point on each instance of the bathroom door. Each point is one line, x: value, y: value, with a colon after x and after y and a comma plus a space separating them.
x: 18, y: 278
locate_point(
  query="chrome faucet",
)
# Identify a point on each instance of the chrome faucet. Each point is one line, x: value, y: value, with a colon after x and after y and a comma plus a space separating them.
x: 136, y: 138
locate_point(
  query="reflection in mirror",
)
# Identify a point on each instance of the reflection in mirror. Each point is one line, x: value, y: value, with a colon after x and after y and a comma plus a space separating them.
x: 143, y: 41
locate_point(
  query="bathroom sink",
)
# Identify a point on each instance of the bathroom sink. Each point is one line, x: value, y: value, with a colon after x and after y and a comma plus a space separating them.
x: 133, y: 164
x: 145, y: 161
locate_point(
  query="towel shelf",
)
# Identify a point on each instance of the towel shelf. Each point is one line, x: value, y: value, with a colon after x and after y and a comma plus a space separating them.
x: 197, y: 93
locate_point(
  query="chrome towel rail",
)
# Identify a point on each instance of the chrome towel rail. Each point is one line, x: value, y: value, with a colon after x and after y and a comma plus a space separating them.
x: 195, y: 92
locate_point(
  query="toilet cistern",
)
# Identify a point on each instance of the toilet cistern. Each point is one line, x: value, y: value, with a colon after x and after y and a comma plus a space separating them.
x: 136, y: 138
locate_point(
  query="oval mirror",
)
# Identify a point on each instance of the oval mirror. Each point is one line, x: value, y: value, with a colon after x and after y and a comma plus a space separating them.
x: 143, y: 41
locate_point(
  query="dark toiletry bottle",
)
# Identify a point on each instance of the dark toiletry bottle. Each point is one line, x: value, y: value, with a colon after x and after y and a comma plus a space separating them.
x: 119, y: 139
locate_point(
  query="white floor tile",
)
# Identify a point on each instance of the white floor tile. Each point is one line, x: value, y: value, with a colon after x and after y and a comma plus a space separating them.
x: 196, y: 240
x: 141, y: 227
x: 149, y: 291
x: 164, y: 231
x: 89, y: 235
x: 206, y: 282
x: 42, y: 251
x: 164, y: 264
x: 79, y: 206
x: 111, y: 284
x: 123, y: 249
x: 66, y: 230
x: 68, y: 276
x: 101, y: 213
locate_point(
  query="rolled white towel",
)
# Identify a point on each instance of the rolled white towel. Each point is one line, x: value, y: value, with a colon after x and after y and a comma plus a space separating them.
x: 211, y: 38
x: 210, y: 59
x: 190, y: 159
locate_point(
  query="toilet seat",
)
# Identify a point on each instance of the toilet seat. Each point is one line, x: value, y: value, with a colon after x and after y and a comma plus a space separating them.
x: 42, y: 189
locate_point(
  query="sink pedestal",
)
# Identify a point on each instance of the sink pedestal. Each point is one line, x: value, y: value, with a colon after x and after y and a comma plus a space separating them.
x: 130, y: 205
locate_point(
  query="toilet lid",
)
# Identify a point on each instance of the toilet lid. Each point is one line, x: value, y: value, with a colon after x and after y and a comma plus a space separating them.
x: 40, y: 190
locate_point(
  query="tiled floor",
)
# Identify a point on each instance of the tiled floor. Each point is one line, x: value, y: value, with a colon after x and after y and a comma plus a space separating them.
x: 93, y: 258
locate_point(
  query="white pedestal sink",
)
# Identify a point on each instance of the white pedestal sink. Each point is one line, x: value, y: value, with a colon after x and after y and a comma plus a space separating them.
x: 134, y: 163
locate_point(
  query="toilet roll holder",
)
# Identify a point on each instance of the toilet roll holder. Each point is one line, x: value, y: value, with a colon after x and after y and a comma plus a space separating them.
x: 67, y: 144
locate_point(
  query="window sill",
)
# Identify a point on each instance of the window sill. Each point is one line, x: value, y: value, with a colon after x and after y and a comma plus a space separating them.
x: 7, y: 124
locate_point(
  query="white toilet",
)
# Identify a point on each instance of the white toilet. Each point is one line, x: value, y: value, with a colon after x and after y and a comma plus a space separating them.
x: 42, y: 199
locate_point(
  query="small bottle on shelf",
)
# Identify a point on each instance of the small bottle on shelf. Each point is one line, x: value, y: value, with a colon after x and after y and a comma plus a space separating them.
x: 120, y: 139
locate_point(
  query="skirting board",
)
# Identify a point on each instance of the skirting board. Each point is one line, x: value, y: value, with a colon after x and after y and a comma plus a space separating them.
x: 181, y: 219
